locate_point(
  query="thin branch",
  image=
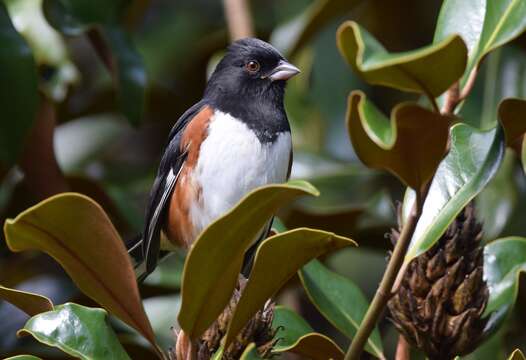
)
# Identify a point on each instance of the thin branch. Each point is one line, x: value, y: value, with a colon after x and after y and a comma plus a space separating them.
x: 38, y: 163
x: 452, y: 99
x: 403, y: 349
x: 237, y: 13
x: 469, y: 84
x: 383, y: 293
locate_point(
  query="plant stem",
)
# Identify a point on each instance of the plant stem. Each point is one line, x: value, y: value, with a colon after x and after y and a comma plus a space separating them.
x: 383, y: 294
x: 403, y: 349
x: 238, y: 18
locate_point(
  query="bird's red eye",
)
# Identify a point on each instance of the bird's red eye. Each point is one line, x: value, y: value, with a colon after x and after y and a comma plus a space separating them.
x: 252, y: 66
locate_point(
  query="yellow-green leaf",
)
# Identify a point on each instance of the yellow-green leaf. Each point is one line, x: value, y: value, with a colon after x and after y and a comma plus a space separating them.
x: 250, y: 353
x: 23, y: 357
x: 29, y: 303
x: 430, y: 70
x: 213, y: 264
x: 512, y: 116
x: 517, y: 355
x: 410, y: 146
x: 280, y: 255
x: 317, y: 347
x: 75, y: 231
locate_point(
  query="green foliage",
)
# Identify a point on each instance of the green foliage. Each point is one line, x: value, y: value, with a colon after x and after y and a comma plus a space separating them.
x: 460, y: 177
x: 73, y: 17
x: 282, y: 255
x: 31, y: 304
x: 413, y: 71
x: 411, y: 146
x: 488, y: 26
x: 340, y: 301
x: 238, y: 230
x: 18, y: 90
x: 75, y: 231
x: 78, y: 331
x: 504, y: 261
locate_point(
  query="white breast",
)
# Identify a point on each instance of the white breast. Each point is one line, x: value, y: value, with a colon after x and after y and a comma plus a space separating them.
x: 232, y: 162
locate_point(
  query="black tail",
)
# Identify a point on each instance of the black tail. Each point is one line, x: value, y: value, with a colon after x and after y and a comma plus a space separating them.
x: 136, y: 252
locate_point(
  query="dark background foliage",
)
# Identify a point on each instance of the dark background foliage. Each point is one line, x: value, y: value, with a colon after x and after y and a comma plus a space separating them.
x: 112, y: 157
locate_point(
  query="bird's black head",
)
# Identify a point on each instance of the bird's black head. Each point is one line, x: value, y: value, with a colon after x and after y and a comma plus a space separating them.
x: 252, y: 70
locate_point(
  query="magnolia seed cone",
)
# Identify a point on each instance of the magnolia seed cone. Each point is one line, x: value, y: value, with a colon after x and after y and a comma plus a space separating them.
x: 442, y: 296
x: 258, y: 330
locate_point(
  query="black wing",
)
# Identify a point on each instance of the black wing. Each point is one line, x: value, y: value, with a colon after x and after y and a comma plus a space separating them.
x: 163, y: 186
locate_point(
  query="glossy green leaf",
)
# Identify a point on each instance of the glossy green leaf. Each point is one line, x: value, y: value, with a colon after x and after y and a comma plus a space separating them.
x: 473, y: 160
x: 410, y: 146
x: 73, y: 17
x: 496, y: 204
x: 18, y: 90
x: 77, y: 330
x: 517, y: 355
x: 512, y: 116
x: 222, y: 247
x: 340, y: 301
x: 504, y: 260
x: 23, y: 357
x: 430, y: 70
x: 281, y: 255
x: 290, y: 327
x: 250, y: 353
x: 31, y: 304
x: 483, y: 24
x: 75, y: 231
x: 317, y: 347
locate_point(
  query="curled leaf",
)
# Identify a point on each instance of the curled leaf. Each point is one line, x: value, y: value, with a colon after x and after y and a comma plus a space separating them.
x: 410, y: 146
x: 29, y: 303
x: 430, y: 70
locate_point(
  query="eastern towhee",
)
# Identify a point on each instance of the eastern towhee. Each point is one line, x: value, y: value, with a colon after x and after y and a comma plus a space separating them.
x: 235, y: 139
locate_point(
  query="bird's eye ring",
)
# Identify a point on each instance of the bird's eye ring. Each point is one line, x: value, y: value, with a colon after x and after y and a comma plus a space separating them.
x: 252, y: 66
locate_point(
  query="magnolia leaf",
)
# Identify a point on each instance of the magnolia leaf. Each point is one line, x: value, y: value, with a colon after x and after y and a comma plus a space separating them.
x: 250, y: 353
x: 31, y: 304
x: 340, y: 301
x: 473, y: 160
x: 295, y: 335
x: 504, y: 261
x: 73, y: 17
x: 18, y: 90
x: 410, y: 146
x: 77, y: 330
x: 430, y: 70
x: 23, y: 357
x: 523, y: 155
x: 484, y: 25
x: 280, y: 255
x: 517, y: 355
x: 289, y: 328
x: 75, y: 231
x: 221, y: 247
x: 317, y: 347
x: 512, y: 115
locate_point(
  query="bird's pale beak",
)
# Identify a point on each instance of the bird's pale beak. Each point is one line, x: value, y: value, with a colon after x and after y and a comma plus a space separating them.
x: 283, y: 71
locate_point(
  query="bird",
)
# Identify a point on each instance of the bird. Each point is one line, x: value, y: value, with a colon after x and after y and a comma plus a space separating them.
x: 235, y: 139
